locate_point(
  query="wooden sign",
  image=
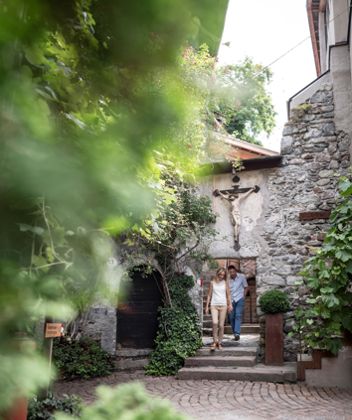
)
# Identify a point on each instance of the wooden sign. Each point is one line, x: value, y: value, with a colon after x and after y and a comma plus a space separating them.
x: 53, y: 330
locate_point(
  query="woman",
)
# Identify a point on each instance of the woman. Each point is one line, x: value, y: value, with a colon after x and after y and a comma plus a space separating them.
x: 220, y: 301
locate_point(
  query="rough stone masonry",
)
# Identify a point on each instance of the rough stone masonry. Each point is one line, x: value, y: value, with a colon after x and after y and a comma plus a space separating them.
x: 315, y: 155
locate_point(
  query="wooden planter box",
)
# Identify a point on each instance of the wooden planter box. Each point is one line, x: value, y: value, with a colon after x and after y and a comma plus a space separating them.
x: 274, y: 339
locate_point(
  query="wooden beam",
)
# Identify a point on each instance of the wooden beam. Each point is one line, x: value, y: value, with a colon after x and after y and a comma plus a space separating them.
x: 313, y: 35
x: 314, y: 215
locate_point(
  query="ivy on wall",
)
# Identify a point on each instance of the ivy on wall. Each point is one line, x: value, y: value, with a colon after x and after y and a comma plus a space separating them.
x: 325, y: 314
x: 179, y: 334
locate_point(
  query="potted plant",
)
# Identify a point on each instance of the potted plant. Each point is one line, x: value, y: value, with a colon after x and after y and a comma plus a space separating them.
x: 274, y: 303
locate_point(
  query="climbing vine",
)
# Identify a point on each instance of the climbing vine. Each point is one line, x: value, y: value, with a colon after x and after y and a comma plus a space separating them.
x: 326, y: 311
x: 179, y: 334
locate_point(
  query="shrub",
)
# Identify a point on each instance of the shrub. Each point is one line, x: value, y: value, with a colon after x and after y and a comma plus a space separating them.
x: 81, y: 359
x: 274, y: 301
x: 45, y: 409
x: 179, y: 334
x: 128, y: 401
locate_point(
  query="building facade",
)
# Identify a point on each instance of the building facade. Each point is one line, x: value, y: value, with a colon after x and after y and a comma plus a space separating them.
x: 284, y: 222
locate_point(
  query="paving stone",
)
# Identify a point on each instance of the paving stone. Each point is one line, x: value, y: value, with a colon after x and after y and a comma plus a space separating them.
x: 229, y: 400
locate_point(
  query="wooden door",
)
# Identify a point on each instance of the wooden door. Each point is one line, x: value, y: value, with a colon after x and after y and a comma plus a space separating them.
x: 137, y: 314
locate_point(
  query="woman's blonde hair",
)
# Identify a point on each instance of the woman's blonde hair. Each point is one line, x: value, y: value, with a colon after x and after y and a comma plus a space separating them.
x: 219, y: 270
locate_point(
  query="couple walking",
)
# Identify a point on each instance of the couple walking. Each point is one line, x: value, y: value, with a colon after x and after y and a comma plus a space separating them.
x: 226, y: 295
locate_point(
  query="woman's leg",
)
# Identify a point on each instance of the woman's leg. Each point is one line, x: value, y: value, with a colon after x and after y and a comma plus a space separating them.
x: 222, y: 316
x: 215, y: 319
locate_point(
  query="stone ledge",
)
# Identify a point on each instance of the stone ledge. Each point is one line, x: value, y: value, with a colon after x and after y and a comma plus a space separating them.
x: 131, y: 364
x: 133, y: 352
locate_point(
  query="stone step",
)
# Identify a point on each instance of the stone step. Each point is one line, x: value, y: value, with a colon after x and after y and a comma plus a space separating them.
x: 245, y: 329
x: 228, y: 351
x: 131, y: 359
x: 257, y: 373
x: 220, y: 361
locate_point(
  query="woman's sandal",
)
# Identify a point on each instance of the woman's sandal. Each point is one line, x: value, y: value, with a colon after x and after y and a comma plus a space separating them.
x: 213, y: 346
x: 219, y: 346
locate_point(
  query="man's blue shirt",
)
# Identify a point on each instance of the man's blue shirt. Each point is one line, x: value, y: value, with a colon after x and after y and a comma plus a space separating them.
x: 237, y: 286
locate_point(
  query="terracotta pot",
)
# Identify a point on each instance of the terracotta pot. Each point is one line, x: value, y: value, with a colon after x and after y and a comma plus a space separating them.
x: 274, y: 339
x: 18, y: 410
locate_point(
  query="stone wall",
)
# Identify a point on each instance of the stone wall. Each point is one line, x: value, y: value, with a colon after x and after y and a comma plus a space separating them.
x: 100, y: 324
x: 273, y: 230
x: 315, y: 155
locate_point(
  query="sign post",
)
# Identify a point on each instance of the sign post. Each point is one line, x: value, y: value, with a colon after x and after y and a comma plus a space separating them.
x: 51, y: 330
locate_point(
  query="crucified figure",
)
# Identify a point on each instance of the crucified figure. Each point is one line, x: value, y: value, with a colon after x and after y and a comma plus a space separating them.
x: 235, y: 200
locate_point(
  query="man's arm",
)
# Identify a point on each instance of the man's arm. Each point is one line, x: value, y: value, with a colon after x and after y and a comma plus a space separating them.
x: 228, y: 298
x: 245, y: 285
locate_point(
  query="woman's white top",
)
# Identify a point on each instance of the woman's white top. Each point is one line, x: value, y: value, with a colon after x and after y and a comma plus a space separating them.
x: 218, y: 297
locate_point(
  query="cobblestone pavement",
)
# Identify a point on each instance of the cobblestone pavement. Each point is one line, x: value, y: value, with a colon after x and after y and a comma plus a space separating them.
x: 225, y: 400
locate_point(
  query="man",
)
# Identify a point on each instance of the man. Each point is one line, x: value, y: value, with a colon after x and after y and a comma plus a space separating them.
x: 238, y: 290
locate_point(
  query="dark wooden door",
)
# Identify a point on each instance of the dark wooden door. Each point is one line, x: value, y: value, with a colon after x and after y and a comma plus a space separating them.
x: 250, y: 307
x: 137, y: 314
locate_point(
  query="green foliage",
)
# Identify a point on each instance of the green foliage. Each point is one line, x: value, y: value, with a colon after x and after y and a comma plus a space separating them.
x: 327, y: 309
x: 234, y: 98
x: 81, y: 359
x: 247, y: 109
x: 179, y: 230
x: 208, y: 26
x: 274, y: 301
x: 128, y: 401
x: 91, y: 93
x: 46, y: 409
x: 179, y: 335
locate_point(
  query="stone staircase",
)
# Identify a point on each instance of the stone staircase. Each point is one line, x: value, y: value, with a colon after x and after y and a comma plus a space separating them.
x: 245, y: 328
x: 237, y: 361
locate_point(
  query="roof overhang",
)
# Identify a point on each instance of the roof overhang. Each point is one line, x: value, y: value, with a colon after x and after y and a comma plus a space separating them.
x: 265, y: 162
x: 314, y: 7
x: 250, y: 148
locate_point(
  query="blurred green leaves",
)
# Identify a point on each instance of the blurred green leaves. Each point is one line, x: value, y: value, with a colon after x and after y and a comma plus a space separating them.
x: 128, y: 401
x: 92, y: 99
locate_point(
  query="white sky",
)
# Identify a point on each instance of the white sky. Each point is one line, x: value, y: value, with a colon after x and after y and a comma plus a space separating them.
x: 264, y: 30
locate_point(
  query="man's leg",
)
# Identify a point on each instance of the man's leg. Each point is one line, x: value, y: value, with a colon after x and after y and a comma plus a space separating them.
x: 238, y: 316
x: 232, y: 316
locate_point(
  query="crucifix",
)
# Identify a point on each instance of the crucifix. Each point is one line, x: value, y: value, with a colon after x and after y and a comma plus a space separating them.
x: 235, y: 196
